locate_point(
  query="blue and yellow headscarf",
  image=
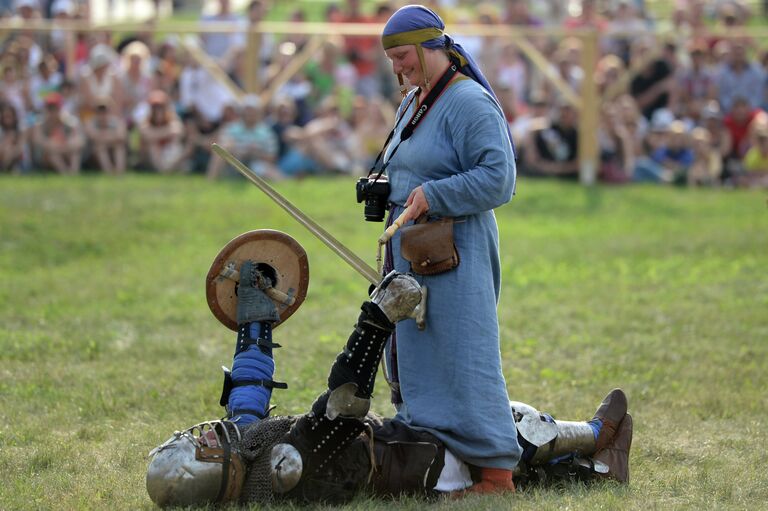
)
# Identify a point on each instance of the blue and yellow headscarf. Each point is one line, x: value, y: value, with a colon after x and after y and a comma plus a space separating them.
x: 422, y: 27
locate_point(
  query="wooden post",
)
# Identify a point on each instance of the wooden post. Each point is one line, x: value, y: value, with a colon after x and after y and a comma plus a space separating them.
x: 252, y: 57
x: 69, y: 53
x: 589, y: 118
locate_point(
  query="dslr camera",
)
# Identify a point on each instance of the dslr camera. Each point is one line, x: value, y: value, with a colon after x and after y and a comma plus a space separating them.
x: 375, y: 193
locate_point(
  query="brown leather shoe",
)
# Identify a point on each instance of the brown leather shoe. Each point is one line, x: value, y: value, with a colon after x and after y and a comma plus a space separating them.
x: 492, y: 481
x: 616, y: 454
x: 611, y: 411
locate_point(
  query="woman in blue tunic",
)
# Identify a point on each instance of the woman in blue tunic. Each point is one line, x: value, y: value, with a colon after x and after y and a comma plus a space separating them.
x: 458, y: 163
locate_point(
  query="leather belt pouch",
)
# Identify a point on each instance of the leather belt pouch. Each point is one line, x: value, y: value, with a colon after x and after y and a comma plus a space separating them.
x: 429, y: 246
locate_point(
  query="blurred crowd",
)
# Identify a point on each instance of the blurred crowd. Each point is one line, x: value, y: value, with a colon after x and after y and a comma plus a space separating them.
x: 682, y: 98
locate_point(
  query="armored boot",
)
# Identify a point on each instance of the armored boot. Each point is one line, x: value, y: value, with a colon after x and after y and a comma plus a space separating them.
x: 616, y: 453
x: 610, y: 413
x: 336, y: 416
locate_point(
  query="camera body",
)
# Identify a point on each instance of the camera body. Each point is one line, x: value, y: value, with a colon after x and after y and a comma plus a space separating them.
x: 375, y: 193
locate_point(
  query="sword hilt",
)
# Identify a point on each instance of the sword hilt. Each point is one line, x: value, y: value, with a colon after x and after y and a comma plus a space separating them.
x: 392, y: 229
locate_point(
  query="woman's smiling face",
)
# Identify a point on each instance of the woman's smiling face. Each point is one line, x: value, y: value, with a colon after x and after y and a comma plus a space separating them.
x: 405, y: 61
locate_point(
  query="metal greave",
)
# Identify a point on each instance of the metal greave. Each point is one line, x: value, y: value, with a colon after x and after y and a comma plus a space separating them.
x: 571, y: 437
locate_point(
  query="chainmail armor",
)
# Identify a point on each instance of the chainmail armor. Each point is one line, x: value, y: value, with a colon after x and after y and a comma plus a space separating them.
x: 257, y: 443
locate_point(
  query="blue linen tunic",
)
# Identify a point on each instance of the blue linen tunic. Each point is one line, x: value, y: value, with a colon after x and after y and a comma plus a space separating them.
x: 450, y: 374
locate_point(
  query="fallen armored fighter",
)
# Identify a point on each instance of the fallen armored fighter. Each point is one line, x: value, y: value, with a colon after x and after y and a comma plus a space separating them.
x: 339, y: 448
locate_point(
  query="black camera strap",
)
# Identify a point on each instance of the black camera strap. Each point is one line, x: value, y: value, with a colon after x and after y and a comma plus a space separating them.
x: 415, y: 119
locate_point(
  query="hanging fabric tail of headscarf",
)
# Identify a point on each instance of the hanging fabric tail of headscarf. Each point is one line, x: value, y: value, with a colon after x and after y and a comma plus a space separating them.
x: 417, y: 25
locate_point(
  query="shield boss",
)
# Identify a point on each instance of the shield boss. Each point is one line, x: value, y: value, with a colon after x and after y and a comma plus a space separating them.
x: 277, y: 255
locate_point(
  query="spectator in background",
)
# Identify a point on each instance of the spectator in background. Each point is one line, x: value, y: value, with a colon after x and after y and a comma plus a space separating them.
x: 647, y: 169
x: 284, y: 117
x: 257, y: 10
x: 738, y: 122
x: 200, y: 92
x: 388, y: 86
x: 636, y: 126
x: 511, y: 71
x: 99, y: 80
x: 70, y: 100
x: 623, y: 28
x: 136, y: 81
x: 589, y: 17
x: 609, y: 69
x: 298, y: 87
x: 707, y: 164
x: 12, y: 139
x: 161, y: 134
x: 617, y: 149
x: 361, y: 50
x: 525, y: 119
x: 370, y: 121
x: 167, y: 67
x: 517, y: 12
x: 652, y: 86
x: 330, y: 73
x: 323, y: 145
x: 739, y: 76
x: 58, y: 139
x: 756, y: 159
x: 553, y: 150
x: 61, y: 11
x: 216, y: 44
x: 675, y: 155
x: 694, y: 84
x: 107, y: 136
x: 46, y: 80
x: 719, y: 136
x: 13, y: 89
x: 250, y: 139
x: 199, y: 134
x: 27, y: 10
x: 567, y: 59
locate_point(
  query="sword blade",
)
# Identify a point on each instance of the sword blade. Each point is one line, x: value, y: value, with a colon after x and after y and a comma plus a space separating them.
x: 335, y: 245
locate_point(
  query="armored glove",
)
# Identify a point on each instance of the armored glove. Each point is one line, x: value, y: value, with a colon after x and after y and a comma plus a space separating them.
x: 252, y: 303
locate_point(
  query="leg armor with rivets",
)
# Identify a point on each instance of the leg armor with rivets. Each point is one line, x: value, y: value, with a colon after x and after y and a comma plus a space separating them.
x: 336, y: 416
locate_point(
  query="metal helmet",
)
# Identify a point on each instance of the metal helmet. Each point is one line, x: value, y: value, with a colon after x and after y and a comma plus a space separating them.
x: 197, y: 466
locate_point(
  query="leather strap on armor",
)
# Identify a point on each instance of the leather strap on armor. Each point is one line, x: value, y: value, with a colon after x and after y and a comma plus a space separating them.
x: 264, y: 342
x: 360, y: 359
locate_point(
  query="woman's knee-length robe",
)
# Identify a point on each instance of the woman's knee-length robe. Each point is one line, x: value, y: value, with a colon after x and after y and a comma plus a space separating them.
x: 450, y: 374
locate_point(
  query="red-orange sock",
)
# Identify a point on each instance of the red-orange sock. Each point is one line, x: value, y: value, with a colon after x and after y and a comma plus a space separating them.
x: 493, y: 480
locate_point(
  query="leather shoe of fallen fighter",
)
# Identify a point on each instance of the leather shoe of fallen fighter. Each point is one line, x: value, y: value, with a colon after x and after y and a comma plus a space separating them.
x: 492, y: 481
x: 397, y: 296
x: 616, y: 454
x: 611, y: 411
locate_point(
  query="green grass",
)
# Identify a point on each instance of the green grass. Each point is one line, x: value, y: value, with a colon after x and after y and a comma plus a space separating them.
x: 107, y: 345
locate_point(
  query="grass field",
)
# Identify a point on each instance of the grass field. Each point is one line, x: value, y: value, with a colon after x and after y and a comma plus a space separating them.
x: 107, y: 345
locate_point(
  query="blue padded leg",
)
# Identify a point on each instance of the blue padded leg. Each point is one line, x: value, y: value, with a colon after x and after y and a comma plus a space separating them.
x: 254, y: 363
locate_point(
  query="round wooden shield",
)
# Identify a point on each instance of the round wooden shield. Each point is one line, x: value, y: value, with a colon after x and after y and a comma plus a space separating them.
x: 278, y: 256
